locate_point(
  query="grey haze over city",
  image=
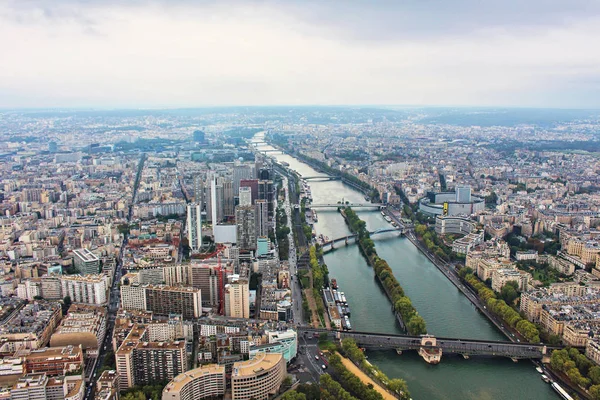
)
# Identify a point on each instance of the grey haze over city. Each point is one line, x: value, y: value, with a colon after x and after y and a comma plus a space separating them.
x: 154, y: 54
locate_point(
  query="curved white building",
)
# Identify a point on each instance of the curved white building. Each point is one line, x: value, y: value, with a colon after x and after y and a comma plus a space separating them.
x: 199, y: 383
x: 258, y: 378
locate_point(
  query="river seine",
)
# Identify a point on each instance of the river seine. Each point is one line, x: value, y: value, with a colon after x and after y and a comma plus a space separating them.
x: 447, y: 312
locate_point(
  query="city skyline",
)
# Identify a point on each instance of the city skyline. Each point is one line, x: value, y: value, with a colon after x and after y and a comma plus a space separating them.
x: 181, y: 54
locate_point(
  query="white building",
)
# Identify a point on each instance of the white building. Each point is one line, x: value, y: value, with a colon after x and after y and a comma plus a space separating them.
x: 194, y: 226
x: 88, y: 289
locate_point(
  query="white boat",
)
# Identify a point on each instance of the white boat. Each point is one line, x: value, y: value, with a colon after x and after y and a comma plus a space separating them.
x: 546, y: 379
x: 538, y: 369
x: 558, y: 389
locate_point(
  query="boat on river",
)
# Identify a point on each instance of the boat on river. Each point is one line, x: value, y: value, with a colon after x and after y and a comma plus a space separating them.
x: 561, y: 392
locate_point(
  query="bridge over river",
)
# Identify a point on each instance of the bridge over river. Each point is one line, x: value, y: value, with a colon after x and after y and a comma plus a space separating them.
x: 330, y: 244
x: 464, y: 347
x: 353, y: 205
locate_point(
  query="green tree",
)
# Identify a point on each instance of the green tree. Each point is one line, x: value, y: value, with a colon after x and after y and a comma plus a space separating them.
x: 595, y: 392
x: 416, y: 325
x: 594, y: 374
x: 293, y: 395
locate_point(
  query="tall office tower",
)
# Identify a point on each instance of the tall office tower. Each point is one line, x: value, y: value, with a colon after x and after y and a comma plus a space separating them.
x: 259, y: 160
x: 245, y: 196
x: 216, y: 201
x: 463, y: 194
x: 241, y: 171
x: 265, y: 192
x: 199, y: 136
x: 213, y: 201
x: 265, y: 174
x: 253, y: 185
x: 245, y: 218
x: 262, y: 217
x: 199, y: 189
x: 228, y: 198
x: 194, y: 226
x: 237, y: 300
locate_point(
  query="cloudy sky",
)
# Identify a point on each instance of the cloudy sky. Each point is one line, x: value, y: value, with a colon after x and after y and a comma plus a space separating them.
x: 184, y: 53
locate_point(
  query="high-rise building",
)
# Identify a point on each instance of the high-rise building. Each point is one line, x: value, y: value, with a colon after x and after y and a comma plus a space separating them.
x: 237, y: 300
x: 206, y: 278
x: 141, y: 362
x: 253, y: 185
x: 258, y: 378
x: 245, y: 196
x: 194, y: 226
x: 265, y: 192
x: 158, y: 361
x: 228, y: 198
x: 262, y: 217
x: 86, y: 262
x: 165, y: 300
x: 246, y: 220
x: 241, y: 171
x: 199, y: 190
x: 208, y: 381
x: 199, y: 136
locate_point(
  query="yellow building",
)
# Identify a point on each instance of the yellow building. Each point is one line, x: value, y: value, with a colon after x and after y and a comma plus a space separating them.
x: 258, y: 378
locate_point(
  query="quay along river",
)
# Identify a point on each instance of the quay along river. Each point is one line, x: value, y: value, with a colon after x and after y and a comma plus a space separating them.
x: 447, y: 312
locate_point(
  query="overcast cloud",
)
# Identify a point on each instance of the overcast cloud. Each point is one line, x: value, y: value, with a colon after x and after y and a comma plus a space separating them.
x: 178, y: 53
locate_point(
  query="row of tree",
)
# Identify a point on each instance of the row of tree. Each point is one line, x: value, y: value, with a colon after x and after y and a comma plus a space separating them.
x: 433, y: 242
x: 500, y: 308
x: 350, y: 349
x: 578, y: 368
x: 327, y: 389
x: 352, y: 383
x: 320, y: 271
x: 415, y: 324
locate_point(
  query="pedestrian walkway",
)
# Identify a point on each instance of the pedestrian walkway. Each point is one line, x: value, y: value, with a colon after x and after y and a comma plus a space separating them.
x: 365, y: 378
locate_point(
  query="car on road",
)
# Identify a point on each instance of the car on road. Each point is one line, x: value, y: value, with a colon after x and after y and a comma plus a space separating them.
x: 316, y: 357
x: 323, y: 366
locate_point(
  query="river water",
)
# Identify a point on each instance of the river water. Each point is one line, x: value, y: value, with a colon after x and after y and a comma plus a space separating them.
x: 447, y: 312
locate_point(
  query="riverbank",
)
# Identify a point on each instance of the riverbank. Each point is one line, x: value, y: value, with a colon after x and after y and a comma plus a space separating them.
x: 405, y: 313
x: 366, y: 379
x: 446, y: 310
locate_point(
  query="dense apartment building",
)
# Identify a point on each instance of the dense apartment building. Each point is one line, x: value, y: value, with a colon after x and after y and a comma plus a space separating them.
x: 246, y: 220
x: 87, y: 289
x: 84, y: 325
x: 161, y: 299
x: 142, y: 362
x: 237, y: 300
x: 53, y: 361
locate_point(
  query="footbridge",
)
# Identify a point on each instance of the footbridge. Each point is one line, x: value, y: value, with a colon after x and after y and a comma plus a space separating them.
x: 353, y: 205
x: 422, y: 344
x: 349, y: 239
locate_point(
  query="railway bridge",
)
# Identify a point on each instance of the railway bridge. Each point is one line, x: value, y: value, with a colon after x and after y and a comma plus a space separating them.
x: 464, y: 347
x: 350, y: 239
